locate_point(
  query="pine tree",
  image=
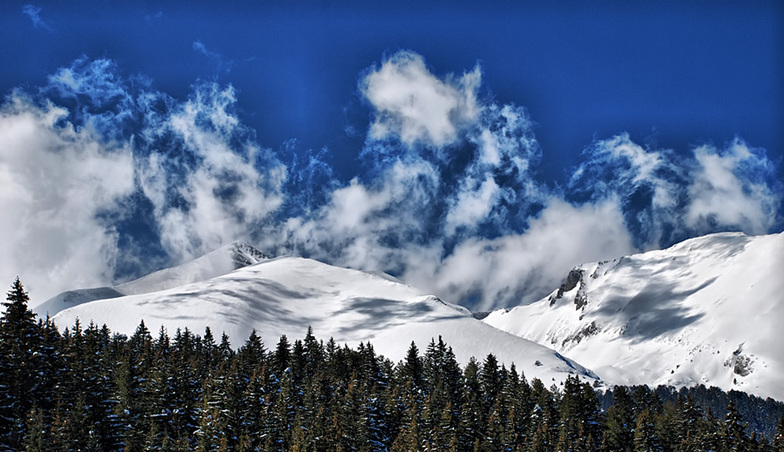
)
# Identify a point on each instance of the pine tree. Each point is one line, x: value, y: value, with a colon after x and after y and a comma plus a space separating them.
x: 352, y: 417
x: 411, y: 370
x: 517, y: 394
x: 682, y: 428
x: 137, y: 362
x: 37, y: 438
x: 281, y: 356
x: 778, y: 441
x: 185, y: 386
x: 434, y: 432
x: 472, y: 418
x: 410, y: 436
x: 314, y: 353
x: 619, y: 423
x: 251, y: 356
x: 21, y: 366
x: 441, y: 366
x: 544, y: 419
x: 645, y: 439
x: 490, y: 380
x: 733, y: 437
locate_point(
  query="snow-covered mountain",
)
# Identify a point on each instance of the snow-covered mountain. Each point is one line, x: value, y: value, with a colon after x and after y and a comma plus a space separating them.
x: 219, y: 262
x: 286, y: 295
x: 709, y: 310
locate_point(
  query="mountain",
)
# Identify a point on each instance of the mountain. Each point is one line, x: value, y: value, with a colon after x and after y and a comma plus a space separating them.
x: 286, y: 295
x: 219, y: 262
x: 706, y: 311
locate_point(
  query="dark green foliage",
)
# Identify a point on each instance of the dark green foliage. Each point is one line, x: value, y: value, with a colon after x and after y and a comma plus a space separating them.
x: 645, y: 437
x: 619, y: 423
x: 21, y: 366
x: 87, y: 389
x: 778, y: 440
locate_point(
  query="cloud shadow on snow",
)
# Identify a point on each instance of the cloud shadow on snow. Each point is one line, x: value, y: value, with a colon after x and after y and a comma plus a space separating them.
x: 243, y: 304
x: 657, y: 309
x: 381, y: 313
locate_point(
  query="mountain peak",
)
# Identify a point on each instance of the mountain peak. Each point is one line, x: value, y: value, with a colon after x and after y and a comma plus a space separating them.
x: 285, y: 295
x: 674, y: 316
x: 219, y: 262
x: 244, y: 255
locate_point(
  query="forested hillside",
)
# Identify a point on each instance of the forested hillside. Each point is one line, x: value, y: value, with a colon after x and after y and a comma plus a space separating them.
x: 89, y: 389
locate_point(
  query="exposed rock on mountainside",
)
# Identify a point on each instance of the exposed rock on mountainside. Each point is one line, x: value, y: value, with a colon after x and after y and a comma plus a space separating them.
x: 673, y: 317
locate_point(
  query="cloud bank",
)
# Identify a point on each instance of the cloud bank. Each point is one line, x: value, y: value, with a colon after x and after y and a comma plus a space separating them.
x: 109, y: 179
x: 104, y: 181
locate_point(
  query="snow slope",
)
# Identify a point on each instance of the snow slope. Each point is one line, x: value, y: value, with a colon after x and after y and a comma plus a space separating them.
x: 219, y: 262
x: 73, y: 298
x: 708, y: 310
x: 286, y: 295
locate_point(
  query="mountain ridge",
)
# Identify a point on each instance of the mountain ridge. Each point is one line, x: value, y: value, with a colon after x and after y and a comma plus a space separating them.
x: 286, y: 295
x: 223, y: 260
x: 704, y: 311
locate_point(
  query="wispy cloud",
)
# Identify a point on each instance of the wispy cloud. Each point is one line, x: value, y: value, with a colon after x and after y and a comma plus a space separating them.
x: 732, y: 188
x: 216, y: 58
x: 213, y: 184
x: 668, y: 196
x: 449, y: 199
x: 34, y: 13
x: 56, y: 179
x: 80, y: 180
x: 417, y: 107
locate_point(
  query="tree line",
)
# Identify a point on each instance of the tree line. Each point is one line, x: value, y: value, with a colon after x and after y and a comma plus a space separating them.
x: 87, y: 389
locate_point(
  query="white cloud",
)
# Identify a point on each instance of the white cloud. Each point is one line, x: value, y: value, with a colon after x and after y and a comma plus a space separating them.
x: 638, y: 166
x: 475, y: 226
x: 96, y: 79
x: 412, y: 104
x: 68, y: 179
x: 721, y: 193
x: 369, y: 227
x: 472, y: 205
x: 519, y: 268
x: 56, y: 180
x: 226, y: 196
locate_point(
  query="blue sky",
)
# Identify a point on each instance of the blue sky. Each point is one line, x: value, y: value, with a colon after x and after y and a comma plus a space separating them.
x: 478, y: 151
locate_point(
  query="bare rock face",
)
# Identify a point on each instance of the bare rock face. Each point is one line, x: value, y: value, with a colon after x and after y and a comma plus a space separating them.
x: 704, y: 311
x: 245, y: 255
x: 573, y: 279
x: 741, y: 364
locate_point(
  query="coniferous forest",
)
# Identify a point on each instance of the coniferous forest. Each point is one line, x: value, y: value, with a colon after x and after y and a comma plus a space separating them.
x: 87, y: 389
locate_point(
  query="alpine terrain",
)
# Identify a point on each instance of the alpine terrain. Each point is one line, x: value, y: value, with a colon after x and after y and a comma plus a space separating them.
x: 286, y: 295
x: 705, y: 311
x: 219, y: 262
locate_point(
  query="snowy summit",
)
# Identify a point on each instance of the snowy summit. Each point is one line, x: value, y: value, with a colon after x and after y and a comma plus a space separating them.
x: 705, y: 311
x: 284, y: 296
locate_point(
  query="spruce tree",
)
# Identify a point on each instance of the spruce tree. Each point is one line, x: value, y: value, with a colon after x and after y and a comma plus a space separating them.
x: 21, y: 365
x: 778, y: 441
x: 490, y: 380
x: 645, y: 439
x: 544, y: 418
x: 733, y: 437
x: 281, y: 356
x: 619, y: 423
x: 472, y: 417
x: 411, y: 370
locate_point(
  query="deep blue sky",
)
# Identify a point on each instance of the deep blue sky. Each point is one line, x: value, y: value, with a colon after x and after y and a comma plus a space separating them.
x: 678, y: 73
x: 478, y: 150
